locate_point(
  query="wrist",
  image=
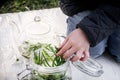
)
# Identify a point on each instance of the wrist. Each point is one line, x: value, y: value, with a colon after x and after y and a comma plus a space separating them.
x: 83, y: 35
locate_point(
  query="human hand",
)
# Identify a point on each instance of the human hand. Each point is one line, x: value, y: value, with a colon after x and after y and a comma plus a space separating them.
x: 76, y: 42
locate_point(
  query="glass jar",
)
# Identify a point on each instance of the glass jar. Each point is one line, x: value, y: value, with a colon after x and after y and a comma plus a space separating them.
x: 61, y: 72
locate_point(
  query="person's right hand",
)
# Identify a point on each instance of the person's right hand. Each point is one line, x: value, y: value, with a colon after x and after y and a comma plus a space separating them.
x: 76, y: 42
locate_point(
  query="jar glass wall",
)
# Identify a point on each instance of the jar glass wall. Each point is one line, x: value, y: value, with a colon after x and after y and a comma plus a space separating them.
x: 62, y: 72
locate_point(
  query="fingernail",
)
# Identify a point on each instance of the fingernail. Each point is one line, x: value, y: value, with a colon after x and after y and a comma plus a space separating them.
x: 64, y: 57
x: 58, y: 54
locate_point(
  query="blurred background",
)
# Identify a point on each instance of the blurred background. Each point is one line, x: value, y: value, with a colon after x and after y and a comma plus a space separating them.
x: 10, y: 6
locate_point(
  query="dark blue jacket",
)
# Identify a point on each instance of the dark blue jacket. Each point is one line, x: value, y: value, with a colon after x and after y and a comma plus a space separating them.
x: 2, y: 2
x: 100, y: 23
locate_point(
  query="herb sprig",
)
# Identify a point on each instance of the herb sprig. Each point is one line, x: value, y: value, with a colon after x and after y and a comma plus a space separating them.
x: 43, y: 54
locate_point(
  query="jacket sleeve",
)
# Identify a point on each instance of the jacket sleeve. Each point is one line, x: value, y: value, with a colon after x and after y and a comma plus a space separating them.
x: 70, y: 7
x: 2, y: 2
x: 100, y: 23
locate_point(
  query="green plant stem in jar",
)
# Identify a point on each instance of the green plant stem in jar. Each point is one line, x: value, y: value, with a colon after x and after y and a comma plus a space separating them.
x: 44, y: 56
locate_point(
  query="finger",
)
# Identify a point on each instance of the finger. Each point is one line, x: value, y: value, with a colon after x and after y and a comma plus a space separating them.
x: 64, y: 48
x: 86, y: 56
x: 69, y: 52
x: 77, y: 56
x: 64, y: 42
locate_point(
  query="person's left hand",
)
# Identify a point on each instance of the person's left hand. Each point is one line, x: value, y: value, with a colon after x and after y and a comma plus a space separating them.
x: 76, y: 42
